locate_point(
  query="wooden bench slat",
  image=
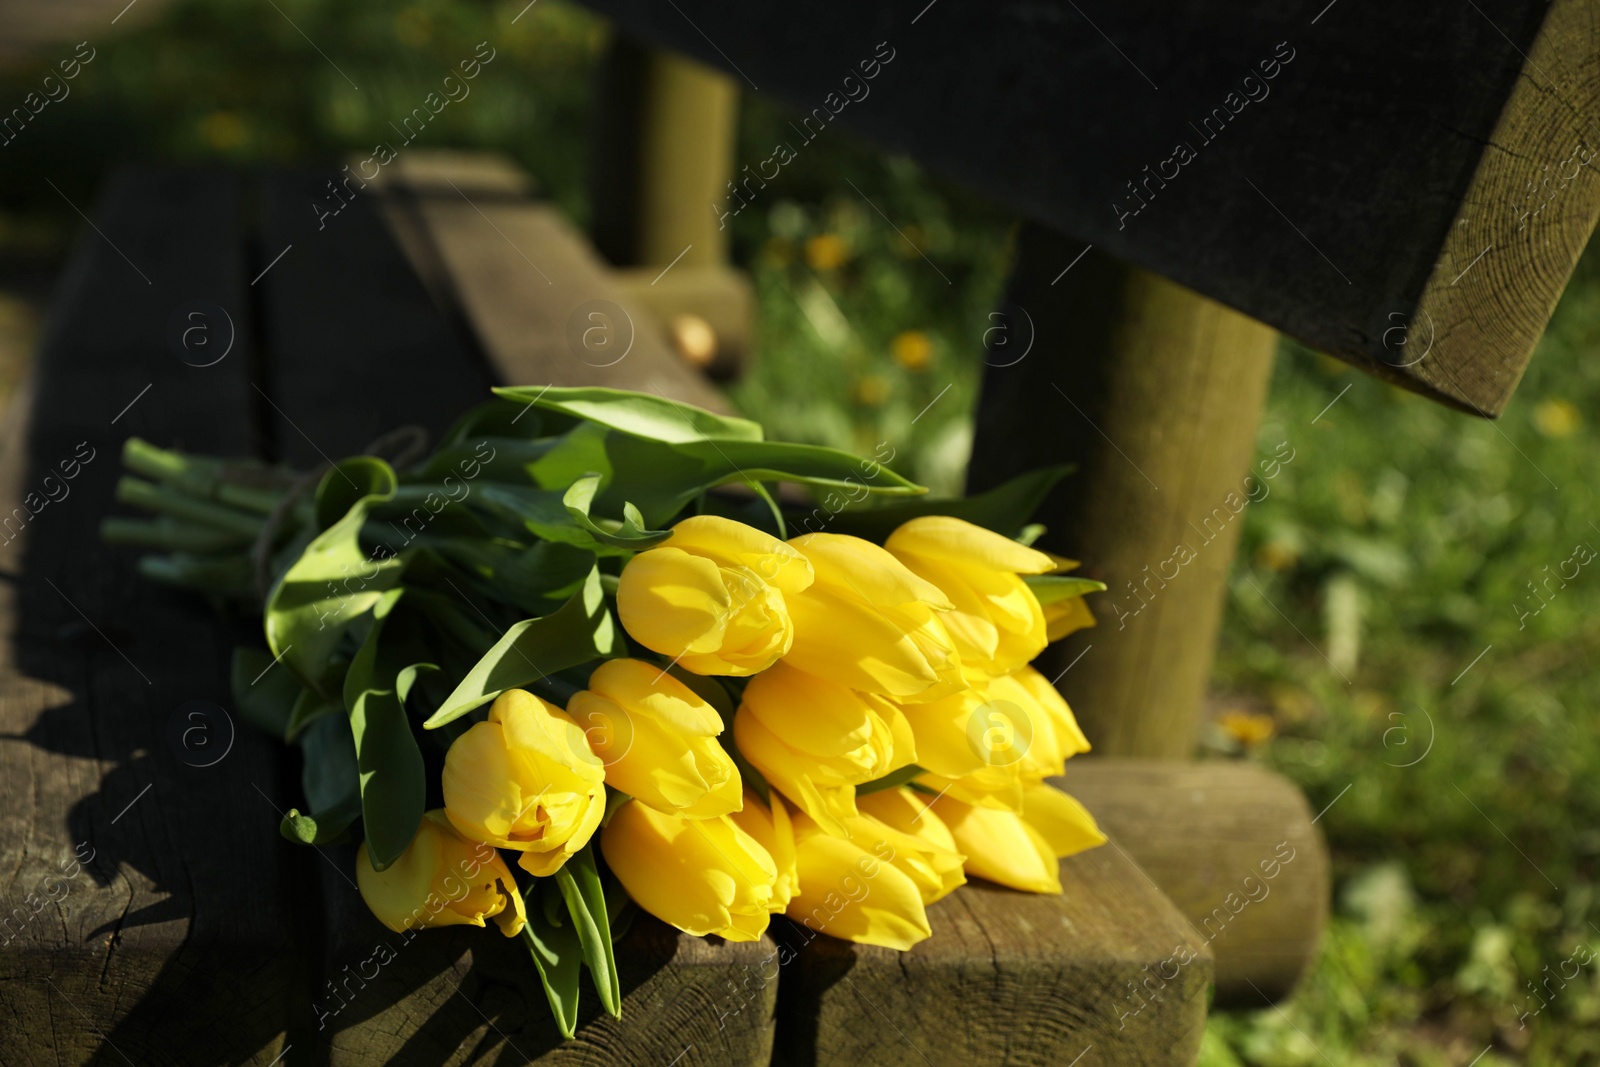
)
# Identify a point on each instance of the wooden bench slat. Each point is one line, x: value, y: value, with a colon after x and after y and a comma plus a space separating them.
x: 526, y: 281
x: 1009, y: 978
x: 174, y: 943
x: 1235, y: 847
x: 1338, y: 200
x: 354, y: 348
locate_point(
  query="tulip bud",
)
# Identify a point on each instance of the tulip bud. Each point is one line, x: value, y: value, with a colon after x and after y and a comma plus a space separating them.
x: 870, y: 624
x: 657, y: 739
x: 852, y: 888
x: 816, y: 740
x: 923, y: 848
x: 1061, y: 820
x: 997, y: 624
x: 1048, y: 706
x: 442, y: 879
x: 973, y: 747
x: 774, y: 830
x: 525, y: 779
x: 704, y: 876
x: 1021, y: 851
x: 714, y: 596
x: 1063, y: 617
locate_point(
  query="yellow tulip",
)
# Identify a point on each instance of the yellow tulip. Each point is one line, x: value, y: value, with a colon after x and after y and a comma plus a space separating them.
x: 921, y: 847
x: 704, y: 876
x: 869, y: 623
x: 713, y: 597
x: 972, y: 747
x: 851, y: 888
x: 816, y: 740
x: 657, y: 739
x: 1049, y: 706
x: 1061, y: 820
x: 997, y: 624
x: 772, y: 827
x: 1021, y: 851
x: 526, y: 780
x: 441, y: 879
x: 910, y: 813
x: 1064, y: 617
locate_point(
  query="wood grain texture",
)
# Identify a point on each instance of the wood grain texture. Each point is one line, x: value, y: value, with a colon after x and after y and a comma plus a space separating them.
x: 538, y: 301
x: 467, y: 996
x: 1233, y: 845
x: 1322, y: 200
x: 173, y: 945
x: 1527, y: 214
x: 1008, y: 978
x: 1155, y: 393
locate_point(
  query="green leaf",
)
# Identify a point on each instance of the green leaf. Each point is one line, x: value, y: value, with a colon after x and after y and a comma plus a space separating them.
x: 640, y: 414
x: 631, y: 535
x: 264, y: 697
x: 586, y: 904
x: 889, y: 781
x: 1005, y: 509
x: 332, y: 784
x: 557, y: 953
x: 393, y: 784
x: 332, y: 583
x: 1050, y: 588
x: 308, y: 708
x: 580, y: 631
x: 661, y: 478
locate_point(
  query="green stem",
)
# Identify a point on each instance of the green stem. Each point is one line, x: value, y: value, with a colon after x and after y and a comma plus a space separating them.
x: 210, y: 479
x: 170, y: 534
x: 169, y: 501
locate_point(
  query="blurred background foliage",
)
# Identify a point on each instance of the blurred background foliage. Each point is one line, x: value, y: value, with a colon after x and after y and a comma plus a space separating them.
x: 1437, y: 681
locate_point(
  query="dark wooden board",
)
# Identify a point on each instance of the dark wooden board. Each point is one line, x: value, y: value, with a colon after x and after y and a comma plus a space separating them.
x: 1008, y: 978
x: 174, y: 944
x: 1345, y: 206
x: 355, y: 347
x: 470, y: 996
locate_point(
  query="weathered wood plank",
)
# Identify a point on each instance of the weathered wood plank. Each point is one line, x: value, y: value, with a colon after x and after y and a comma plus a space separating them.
x: 1008, y: 978
x: 1307, y: 167
x: 539, y: 301
x: 467, y: 996
x: 1233, y: 845
x: 173, y: 943
x: 350, y: 332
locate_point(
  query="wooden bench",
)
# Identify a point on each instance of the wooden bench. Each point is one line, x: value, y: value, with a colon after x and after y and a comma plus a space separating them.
x: 195, y: 933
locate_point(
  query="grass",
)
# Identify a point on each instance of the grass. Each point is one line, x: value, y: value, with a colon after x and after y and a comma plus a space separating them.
x: 1451, y: 734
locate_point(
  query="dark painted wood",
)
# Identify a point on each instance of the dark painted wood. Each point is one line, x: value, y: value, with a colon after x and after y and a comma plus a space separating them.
x: 174, y: 944
x: 1347, y: 144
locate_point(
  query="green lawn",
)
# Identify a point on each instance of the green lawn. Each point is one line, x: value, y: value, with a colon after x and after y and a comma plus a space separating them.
x: 1438, y: 566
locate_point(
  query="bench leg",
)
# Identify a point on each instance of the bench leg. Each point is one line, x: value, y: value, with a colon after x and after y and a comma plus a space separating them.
x: 1155, y: 393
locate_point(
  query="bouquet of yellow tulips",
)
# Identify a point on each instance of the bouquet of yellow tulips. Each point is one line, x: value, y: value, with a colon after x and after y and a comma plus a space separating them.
x: 550, y: 641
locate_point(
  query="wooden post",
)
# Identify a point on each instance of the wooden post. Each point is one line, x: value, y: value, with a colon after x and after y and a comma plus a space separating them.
x: 661, y: 158
x: 1155, y: 392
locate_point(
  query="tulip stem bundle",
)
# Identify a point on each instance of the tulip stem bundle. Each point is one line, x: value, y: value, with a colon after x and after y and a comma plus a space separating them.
x: 545, y: 673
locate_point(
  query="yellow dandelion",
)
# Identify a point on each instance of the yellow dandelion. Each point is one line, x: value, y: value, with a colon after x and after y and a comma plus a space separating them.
x: 912, y: 350
x: 826, y: 251
x: 1247, y: 728
x: 1556, y: 418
